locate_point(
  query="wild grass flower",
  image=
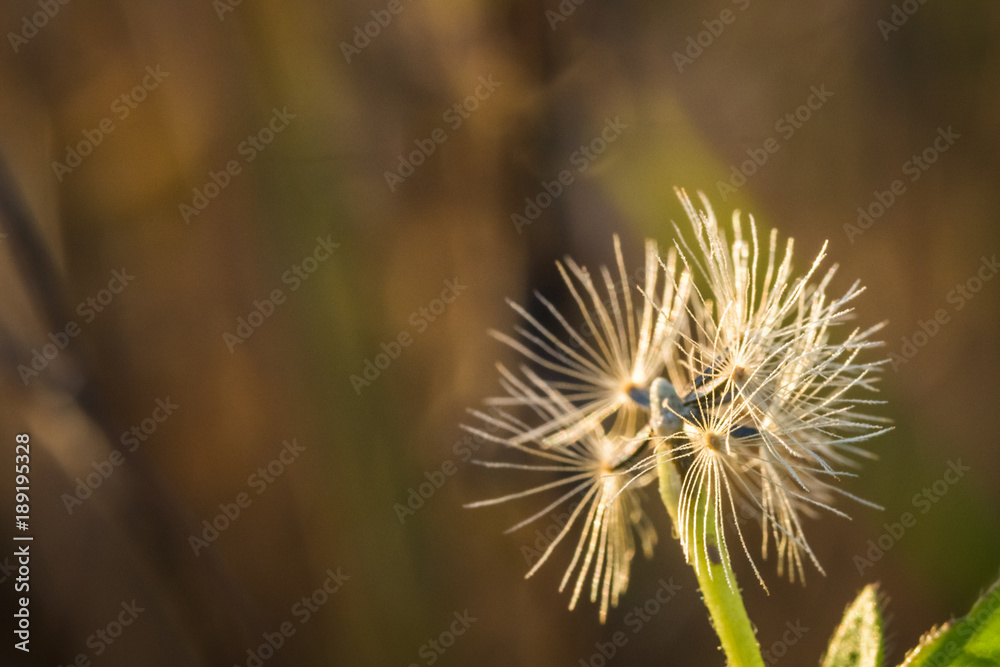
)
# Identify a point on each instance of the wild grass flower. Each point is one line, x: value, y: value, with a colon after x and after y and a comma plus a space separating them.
x: 737, y: 373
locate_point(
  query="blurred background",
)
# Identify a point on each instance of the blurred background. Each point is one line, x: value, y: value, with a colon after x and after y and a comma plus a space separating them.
x: 216, y: 213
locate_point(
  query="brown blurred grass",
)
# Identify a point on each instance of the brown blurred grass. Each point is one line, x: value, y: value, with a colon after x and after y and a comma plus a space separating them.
x: 325, y: 175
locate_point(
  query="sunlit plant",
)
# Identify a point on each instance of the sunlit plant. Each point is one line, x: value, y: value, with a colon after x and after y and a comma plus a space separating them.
x: 730, y: 380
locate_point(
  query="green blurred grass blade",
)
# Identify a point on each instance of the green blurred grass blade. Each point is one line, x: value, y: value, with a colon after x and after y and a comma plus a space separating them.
x: 858, y: 639
x: 973, y: 641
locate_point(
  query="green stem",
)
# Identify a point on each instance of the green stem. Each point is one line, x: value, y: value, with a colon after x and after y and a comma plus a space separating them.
x: 725, y: 605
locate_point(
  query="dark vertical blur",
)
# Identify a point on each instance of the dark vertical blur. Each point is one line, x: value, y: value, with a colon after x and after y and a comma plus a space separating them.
x: 238, y: 207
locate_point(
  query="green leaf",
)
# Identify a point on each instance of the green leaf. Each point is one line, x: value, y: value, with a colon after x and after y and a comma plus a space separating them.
x: 858, y: 639
x: 973, y: 641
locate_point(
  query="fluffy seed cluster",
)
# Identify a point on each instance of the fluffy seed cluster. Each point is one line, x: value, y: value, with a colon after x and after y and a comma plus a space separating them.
x: 713, y: 356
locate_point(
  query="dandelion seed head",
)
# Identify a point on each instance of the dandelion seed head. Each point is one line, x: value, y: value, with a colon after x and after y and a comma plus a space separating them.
x: 721, y: 360
x: 766, y: 386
